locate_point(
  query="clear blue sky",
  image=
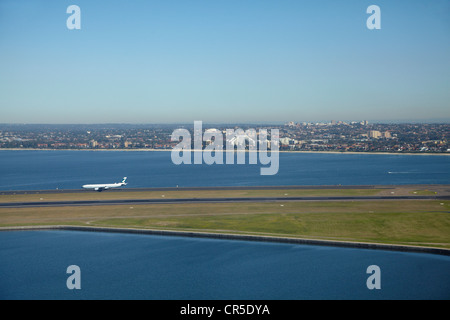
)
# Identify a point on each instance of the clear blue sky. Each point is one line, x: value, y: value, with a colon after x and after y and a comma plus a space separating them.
x: 171, y: 61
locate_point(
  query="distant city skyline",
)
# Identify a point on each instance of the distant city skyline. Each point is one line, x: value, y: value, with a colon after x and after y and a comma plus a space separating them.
x: 223, y: 61
x: 336, y: 136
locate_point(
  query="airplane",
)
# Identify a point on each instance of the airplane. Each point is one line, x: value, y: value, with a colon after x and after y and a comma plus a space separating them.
x: 101, y: 187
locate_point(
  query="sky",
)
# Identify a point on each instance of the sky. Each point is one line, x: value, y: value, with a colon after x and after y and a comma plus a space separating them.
x: 242, y: 61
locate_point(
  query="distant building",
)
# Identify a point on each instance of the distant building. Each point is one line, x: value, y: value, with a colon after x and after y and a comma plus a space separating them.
x: 93, y: 143
x: 374, y: 134
x: 239, y: 140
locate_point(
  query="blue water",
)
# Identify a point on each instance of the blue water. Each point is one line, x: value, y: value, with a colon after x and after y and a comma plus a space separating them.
x: 35, y: 170
x: 126, y: 266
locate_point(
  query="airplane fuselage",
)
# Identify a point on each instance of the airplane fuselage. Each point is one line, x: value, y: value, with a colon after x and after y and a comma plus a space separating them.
x: 106, y: 186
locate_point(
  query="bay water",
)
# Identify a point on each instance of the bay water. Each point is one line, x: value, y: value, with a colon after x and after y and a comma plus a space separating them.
x: 39, y: 170
x: 33, y: 265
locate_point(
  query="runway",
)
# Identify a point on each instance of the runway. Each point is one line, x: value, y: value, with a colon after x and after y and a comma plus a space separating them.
x: 207, y: 200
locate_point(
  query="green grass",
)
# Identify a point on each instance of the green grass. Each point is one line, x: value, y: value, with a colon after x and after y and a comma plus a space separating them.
x: 423, y: 192
x: 404, y: 228
x: 412, y: 222
x: 105, y: 195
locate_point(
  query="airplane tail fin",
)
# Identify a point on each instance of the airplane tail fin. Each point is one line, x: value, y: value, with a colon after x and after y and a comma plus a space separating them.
x: 124, y: 179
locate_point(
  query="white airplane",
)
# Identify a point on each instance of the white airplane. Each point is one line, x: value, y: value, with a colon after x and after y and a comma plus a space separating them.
x: 101, y: 187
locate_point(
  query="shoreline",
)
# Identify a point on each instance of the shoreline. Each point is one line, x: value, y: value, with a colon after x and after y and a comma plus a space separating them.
x: 194, y: 150
x: 241, y: 237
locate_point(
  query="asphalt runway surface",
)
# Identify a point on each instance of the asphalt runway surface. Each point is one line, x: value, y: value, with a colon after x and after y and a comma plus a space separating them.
x: 445, y: 195
x: 208, y: 200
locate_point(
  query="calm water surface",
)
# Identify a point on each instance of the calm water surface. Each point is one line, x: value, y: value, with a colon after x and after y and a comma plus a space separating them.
x: 35, y: 170
x: 127, y: 266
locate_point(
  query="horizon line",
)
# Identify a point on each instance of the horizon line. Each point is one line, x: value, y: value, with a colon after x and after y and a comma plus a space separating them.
x: 424, y: 121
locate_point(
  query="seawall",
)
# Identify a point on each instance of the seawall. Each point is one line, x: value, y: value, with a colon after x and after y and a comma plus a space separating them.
x: 329, y: 243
